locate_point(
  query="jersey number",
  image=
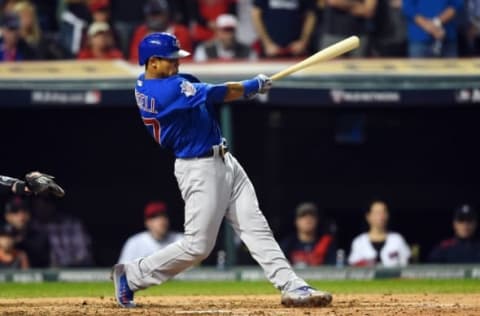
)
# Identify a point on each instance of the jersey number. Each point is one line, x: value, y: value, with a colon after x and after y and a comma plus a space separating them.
x: 154, y: 125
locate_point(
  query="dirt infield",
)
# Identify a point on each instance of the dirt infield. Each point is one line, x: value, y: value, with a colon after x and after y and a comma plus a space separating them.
x: 268, y: 305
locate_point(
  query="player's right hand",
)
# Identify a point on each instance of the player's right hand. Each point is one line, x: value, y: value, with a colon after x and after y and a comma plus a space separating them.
x: 265, y: 83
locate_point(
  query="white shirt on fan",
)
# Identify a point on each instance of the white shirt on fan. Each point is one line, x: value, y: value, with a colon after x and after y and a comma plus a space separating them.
x: 395, y: 252
x: 143, y: 244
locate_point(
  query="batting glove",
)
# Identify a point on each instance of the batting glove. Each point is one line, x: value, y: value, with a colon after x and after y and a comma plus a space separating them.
x: 258, y: 84
x: 265, y: 83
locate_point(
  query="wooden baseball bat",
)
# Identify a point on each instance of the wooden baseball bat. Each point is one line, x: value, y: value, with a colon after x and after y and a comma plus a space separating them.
x: 325, y: 54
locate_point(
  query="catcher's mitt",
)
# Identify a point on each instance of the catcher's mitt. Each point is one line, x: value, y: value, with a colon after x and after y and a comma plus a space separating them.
x: 41, y: 183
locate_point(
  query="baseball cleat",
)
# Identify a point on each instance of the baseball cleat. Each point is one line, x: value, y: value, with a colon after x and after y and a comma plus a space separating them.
x: 306, y: 296
x: 123, y: 294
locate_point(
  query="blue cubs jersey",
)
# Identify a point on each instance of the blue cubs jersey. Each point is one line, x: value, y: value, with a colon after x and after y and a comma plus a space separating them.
x: 178, y: 112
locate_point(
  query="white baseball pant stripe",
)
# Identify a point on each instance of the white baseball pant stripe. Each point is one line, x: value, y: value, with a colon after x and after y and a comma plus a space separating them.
x: 214, y: 188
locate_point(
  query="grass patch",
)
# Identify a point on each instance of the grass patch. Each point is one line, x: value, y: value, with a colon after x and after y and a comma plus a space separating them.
x: 179, y: 288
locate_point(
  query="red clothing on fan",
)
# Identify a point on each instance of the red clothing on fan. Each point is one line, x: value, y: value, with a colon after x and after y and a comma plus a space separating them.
x: 322, y: 250
x: 180, y: 31
x: 209, y: 10
x: 86, y: 53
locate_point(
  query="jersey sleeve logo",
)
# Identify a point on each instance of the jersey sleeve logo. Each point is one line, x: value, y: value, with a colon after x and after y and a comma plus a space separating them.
x: 188, y: 88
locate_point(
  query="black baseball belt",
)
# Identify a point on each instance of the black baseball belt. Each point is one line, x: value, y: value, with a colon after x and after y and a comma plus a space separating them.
x: 222, y: 151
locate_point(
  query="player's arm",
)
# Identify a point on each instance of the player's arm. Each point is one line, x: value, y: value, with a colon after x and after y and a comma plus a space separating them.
x: 235, y: 91
x: 231, y: 91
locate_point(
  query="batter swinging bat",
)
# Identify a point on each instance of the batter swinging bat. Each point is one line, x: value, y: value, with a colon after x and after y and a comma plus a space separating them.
x: 328, y: 53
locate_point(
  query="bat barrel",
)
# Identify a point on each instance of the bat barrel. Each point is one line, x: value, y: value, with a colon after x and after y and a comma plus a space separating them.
x: 328, y: 53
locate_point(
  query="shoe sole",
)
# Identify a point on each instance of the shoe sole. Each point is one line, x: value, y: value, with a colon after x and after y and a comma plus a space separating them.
x: 312, y: 301
x: 117, y: 271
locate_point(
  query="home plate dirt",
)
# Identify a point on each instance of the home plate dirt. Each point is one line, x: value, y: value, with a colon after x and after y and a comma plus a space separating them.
x: 267, y: 305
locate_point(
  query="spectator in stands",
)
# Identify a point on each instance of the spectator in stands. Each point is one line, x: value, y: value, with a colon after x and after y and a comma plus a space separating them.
x: 389, y: 37
x: 307, y: 247
x: 245, y: 30
x: 224, y: 46
x: 10, y: 257
x: 74, y: 19
x: 203, y: 15
x: 284, y: 27
x: 69, y: 242
x: 8, y: 5
x: 157, y: 19
x: 472, y: 31
x: 12, y: 46
x: 79, y: 8
x: 29, y: 27
x: 463, y: 247
x: 432, y: 27
x: 126, y: 18
x: 157, y: 235
x: 180, y: 11
x: 31, y: 33
x: 34, y: 243
x: 100, y: 44
x: 343, y: 18
x: 378, y: 245
x: 47, y: 11
x: 100, y: 10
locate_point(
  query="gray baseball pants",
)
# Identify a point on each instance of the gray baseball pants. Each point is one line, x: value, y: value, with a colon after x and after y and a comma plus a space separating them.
x: 214, y: 188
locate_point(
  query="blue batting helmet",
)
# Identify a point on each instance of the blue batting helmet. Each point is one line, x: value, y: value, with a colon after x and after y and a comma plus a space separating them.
x: 163, y: 45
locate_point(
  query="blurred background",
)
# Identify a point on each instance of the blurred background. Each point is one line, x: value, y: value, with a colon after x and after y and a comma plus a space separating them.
x: 369, y: 160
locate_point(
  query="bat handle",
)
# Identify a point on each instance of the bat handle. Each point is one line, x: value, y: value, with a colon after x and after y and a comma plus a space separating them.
x: 278, y: 76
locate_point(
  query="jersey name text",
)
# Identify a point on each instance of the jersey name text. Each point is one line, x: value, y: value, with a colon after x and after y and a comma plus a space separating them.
x: 144, y: 103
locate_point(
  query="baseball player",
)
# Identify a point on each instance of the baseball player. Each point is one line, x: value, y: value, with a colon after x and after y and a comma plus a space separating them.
x: 178, y: 110
x: 35, y: 183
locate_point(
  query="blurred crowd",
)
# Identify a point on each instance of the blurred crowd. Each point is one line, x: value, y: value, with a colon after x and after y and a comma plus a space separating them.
x: 314, y: 241
x: 34, y: 234
x: 237, y: 29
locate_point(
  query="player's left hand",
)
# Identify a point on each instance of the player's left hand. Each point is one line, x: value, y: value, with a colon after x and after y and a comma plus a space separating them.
x: 265, y: 83
x: 41, y: 183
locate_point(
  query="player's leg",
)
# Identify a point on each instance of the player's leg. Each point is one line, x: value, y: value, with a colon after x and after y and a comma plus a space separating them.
x: 204, y: 189
x: 249, y: 223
